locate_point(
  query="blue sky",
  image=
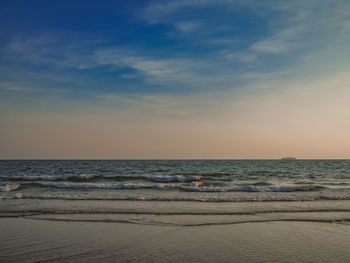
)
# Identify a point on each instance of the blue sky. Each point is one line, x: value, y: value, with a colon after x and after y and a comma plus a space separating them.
x: 186, y: 61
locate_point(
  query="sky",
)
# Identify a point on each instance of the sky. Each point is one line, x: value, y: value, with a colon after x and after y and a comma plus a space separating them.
x: 185, y: 79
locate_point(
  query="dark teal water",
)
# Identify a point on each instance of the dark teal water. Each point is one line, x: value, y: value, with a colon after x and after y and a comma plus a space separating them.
x: 185, y: 180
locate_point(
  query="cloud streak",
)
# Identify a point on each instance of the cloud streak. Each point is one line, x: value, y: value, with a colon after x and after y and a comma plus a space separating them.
x: 154, y: 70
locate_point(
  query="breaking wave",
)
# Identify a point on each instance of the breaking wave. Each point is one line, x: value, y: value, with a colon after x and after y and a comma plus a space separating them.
x: 111, y: 186
x: 189, y: 186
x: 92, y: 178
x: 174, y: 178
x: 303, y: 188
x: 9, y: 188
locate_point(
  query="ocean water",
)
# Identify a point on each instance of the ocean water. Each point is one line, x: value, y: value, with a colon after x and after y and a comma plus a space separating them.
x: 176, y: 192
x: 175, y: 211
x: 176, y: 180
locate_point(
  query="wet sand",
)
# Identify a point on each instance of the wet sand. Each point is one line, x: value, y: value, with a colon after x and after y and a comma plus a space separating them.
x: 42, y: 240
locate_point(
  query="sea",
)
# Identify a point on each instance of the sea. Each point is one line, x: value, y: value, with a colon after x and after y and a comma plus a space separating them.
x: 174, y: 210
x: 176, y: 180
x: 127, y: 190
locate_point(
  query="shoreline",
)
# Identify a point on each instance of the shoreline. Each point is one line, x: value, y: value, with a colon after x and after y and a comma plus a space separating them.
x: 177, y: 213
x: 53, y: 241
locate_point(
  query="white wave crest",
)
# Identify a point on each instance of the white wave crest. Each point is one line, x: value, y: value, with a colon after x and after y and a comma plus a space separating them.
x: 9, y: 187
x: 113, y: 186
x: 173, y: 178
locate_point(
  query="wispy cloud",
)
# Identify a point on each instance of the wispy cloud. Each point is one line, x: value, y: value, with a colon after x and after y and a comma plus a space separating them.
x: 14, y: 87
x: 49, y: 50
x: 187, y: 26
x: 291, y: 23
x: 282, y: 42
x: 202, y: 52
x: 159, y: 11
x: 154, y: 70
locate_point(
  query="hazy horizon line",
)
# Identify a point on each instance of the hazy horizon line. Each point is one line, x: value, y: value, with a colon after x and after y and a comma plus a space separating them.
x: 164, y: 159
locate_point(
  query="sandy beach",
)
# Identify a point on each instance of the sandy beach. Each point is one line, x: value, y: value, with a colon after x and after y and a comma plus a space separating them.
x: 30, y: 240
x: 130, y: 231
